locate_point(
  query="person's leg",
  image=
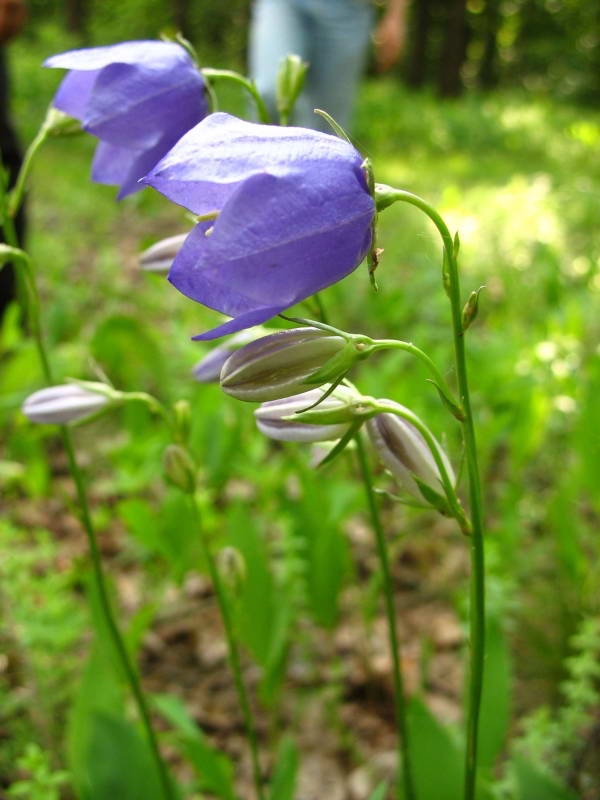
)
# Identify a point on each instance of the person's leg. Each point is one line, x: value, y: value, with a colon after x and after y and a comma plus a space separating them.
x: 276, y: 30
x: 340, y: 31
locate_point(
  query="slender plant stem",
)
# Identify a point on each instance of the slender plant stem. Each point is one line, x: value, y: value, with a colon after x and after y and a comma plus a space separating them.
x: 399, y: 695
x: 477, y: 613
x: 119, y: 645
x: 16, y: 194
x: 109, y: 619
x: 234, y: 654
x: 241, y: 80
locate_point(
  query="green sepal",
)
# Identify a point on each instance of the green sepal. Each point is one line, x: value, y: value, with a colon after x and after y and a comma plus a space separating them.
x: 450, y: 404
x: 432, y: 497
x: 290, y: 81
x: 342, y: 444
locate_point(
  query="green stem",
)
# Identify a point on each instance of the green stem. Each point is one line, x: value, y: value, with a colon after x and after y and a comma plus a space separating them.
x: 409, y: 347
x: 109, y: 619
x: 234, y: 655
x: 16, y: 195
x: 34, y: 315
x: 247, y: 83
x: 477, y: 614
x: 400, y: 705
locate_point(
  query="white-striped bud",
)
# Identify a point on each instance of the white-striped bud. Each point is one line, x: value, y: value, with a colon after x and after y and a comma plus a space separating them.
x: 281, y: 365
x: 405, y: 453
x: 208, y: 369
x: 161, y: 255
x: 273, y: 417
x: 68, y: 402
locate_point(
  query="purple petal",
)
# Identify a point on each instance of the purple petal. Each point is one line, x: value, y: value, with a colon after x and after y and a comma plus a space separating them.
x: 162, y: 55
x: 132, y: 105
x: 281, y: 239
x: 196, y: 175
x: 247, y: 320
x: 74, y: 93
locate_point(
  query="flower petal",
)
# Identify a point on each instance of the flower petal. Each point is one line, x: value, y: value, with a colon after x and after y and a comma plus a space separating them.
x: 162, y: 55
x: 196, y: 175
x: 278, y: 238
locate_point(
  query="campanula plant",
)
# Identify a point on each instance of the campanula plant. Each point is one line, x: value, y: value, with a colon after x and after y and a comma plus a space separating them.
x: 282, y: 213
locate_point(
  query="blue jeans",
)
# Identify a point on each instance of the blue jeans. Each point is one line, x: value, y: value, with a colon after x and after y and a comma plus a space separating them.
x: 332, y: 35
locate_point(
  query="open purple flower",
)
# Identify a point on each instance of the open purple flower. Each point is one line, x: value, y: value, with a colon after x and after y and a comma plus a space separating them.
x: 138, y: 98
x: 288, y: 213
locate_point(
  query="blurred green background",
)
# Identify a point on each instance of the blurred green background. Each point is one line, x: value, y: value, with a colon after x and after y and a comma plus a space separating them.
x: 512, y: 164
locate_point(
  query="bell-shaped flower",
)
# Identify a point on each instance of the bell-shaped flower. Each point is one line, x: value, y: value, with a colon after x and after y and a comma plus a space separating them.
x: 406, y: 454
x: 138, y: 98
x: 57, y: 405
x: 276, y: 418
x: 287, y: 212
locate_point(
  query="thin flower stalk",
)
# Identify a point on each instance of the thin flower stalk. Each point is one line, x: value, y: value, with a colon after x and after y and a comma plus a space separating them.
x: 233, y: 652
x: 32, y: 312
x: 406, y: 787
x: 388, y: 195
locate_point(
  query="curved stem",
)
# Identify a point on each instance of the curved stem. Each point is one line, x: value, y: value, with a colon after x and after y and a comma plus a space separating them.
x: 234, y: 655
x: 119, y: 645
x: 16, y: 194
x: 247, y: 83
x: 477, y: 613
x: 409, y: 347
x: 399, y: 695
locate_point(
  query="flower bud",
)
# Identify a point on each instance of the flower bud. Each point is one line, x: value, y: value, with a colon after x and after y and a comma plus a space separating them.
x: 161, y: 255
x: 281, y: 365
x: 57, y: 405
x: 290, y: 80
x: 275, y: 418
x: 232, y: 568
x: 182, y: 414
x: 405, y: 453
x: 208, y: 369
x: 179, y: 468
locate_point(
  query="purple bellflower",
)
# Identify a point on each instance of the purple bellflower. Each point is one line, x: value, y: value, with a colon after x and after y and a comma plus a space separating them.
x: 287, y: 213
x: 138, y: 98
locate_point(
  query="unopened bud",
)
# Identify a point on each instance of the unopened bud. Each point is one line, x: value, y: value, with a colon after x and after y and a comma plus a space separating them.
x: 58, y: 405
x: 232, y: 568
x: 182, y: 414
x: 161, y: 255
x: 179, y: 468
x: 208, y: 369
x: 471, y: 308
x: 407, y: 456
x: 286, y: 363
x: 290, y: 80
x: 276, y: 418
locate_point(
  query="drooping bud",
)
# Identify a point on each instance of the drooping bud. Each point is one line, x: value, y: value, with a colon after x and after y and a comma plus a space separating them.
x: 161, y: 255
x: 405, y: 453
x: 290, y: 80
x: 232, y: 568
x: 57, y: 405
x: 287, y: 363
x: 179, y: 468
x: 276, y: 418
x: 208, y: 369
